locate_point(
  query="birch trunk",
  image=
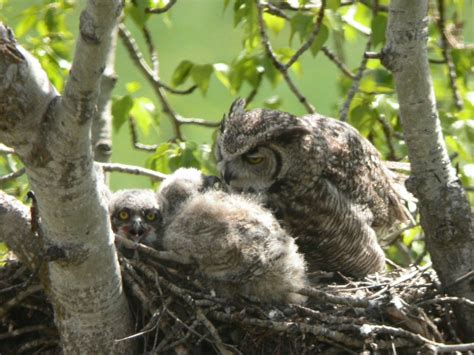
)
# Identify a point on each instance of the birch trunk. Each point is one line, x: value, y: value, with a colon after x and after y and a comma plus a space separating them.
x: 51, y: 135
x: 445, y: 212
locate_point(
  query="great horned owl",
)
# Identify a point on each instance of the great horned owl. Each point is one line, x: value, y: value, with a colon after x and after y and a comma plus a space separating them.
x: 325, y: 181
x: 135, y: 215
x: 238, y: 246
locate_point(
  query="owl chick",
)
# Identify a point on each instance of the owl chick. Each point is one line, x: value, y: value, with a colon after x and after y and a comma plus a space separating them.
x: 237, y: 245
x: 135, y: 215
x: 326, y: 182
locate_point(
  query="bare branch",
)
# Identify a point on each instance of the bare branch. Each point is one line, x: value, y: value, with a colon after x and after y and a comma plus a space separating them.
x: 311, y: 38
x: 355, y: 85
x: 339, y: 63
x: 278, y: 65
x: 4, y: 150
x: 446, y: 50
x: 133, y: 170
x: 12, y: 176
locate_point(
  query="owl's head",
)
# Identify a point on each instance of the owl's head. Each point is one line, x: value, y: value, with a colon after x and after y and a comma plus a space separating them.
x: 252, y: 146
x: 135, y: 215
x: 180, y: 186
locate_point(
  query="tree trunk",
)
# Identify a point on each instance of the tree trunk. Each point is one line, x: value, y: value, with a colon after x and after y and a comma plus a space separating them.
x: 445, y: 212
x: 51, y: 135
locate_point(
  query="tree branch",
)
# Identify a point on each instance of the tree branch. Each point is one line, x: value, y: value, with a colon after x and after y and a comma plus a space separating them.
x: 51, y: 135
x: 445, y: 212
x: 278, y: 65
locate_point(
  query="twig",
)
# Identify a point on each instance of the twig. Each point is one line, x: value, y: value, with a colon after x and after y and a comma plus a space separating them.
x: 213, y: 331
x: 4, y: 150
x: 339, y: 63
x: 319, y: 331
x: 163, y: 9
x: 355, y: 85
x: 159, y: 87
x: 278, y: 65
x: 446, y: 50
x: 367, y: 3
x: 20, y: 296
x: 160, y: 255
x: 311, y: 38
x: 130, y: 169
x: 459, y: 300
x: 151, y: 50
x: 12, y: 176
x: 388, y: 132
x: 328, y: 298
x: 135, y: 143
x: 25, y: 330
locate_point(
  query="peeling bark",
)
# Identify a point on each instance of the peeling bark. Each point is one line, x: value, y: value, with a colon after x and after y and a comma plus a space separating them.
x: 445, y: 212
x: 51, y: 135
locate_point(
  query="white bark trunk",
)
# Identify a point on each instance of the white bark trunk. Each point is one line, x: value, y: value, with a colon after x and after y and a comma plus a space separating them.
x: 445, y: 212
x: 102, y: 123
x: 52, y: 137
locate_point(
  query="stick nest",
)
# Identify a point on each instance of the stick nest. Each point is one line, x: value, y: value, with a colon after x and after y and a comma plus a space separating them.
x: 174, y: 313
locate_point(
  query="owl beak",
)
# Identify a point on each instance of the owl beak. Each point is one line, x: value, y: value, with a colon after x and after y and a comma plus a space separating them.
x: 228, y: 176
x: 137, y: 229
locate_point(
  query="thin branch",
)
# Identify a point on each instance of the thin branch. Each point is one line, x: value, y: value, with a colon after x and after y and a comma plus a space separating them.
x: 446, y: 50
x: 158, y: 86
x: 328, y: 298
x: 151, y: 50
x: 311, y: 38
x: 5, y: 307
x: 12, y: 176
x: 4, y: 150
x: 133, y: 170
x: 163, y: 9
x: 134, y: 134
x: 278, y: 65
x: 339, y: 63
x: 355, y: 85
x: 458, y: 300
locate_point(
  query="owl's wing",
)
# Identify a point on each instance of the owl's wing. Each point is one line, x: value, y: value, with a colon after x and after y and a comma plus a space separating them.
x: 354, y: 167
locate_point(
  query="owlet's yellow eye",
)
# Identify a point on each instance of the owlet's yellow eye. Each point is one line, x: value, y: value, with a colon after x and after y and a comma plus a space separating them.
x: 254, y: 160
x: 150, y: 216
x: 123, y: 215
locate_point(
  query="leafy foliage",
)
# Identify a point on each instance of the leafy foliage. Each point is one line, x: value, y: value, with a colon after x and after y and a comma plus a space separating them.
x: 44, y: 28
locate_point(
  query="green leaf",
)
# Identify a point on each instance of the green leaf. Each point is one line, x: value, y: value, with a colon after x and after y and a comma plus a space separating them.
x: 273, y: 102
x: 275, y: 23
x: 333, y: 4
x: 300, y: 24
x: 221, y: 72
x: 136, y: 9
x: 29, y: 19
x: 181, y: 72
x: 133, y: 86
x: 201, y: 75
x: 379, y: 24
x: 121, y: 110
x: 321, y: 38
x: 144, y: 113
x: 160, y: 159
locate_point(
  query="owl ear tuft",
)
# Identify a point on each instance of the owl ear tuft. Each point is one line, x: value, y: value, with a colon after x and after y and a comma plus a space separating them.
x: 287, y: 135
x: 237, y: 107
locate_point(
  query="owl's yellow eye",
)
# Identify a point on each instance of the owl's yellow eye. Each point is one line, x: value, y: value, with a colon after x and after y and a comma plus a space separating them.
x: 254, y: 160
x: 123, y: 215
x: 150, y: 216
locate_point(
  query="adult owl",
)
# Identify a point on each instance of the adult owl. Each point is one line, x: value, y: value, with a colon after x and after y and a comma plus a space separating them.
x: 237, y: 245
x: 320, y: 176
x: 135, y: 215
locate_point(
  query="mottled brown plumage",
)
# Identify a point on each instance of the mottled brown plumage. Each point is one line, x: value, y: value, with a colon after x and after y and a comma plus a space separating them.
x: 320, y: 176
